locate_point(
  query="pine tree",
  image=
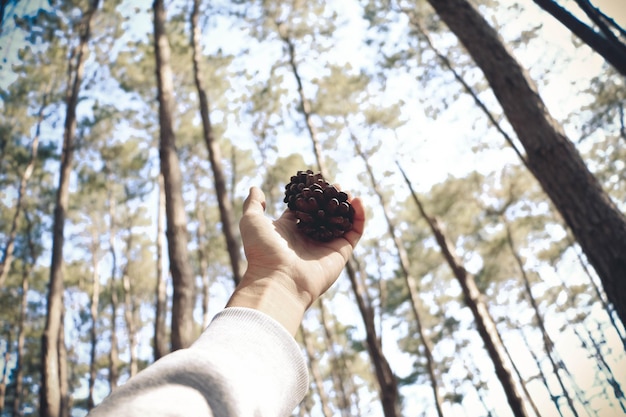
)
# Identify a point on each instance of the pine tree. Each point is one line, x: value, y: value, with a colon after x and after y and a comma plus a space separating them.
x: 182, y: 276
x: 598, y: 225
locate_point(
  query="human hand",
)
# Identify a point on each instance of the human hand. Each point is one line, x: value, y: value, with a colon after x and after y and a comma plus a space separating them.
x: 287, y: 271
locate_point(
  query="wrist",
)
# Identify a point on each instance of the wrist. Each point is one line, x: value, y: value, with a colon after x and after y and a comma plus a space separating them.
x: 274, y: 294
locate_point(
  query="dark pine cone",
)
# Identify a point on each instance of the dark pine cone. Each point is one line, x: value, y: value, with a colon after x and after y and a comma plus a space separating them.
x: 323, y: 212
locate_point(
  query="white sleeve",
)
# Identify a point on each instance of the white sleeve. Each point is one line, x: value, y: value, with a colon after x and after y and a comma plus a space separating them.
x: 245, y: 364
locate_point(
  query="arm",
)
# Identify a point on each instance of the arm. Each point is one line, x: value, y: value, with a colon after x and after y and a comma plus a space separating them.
x: 246, y: 363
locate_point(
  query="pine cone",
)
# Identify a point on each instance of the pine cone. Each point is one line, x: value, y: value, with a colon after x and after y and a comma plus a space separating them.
x: 323, y: 212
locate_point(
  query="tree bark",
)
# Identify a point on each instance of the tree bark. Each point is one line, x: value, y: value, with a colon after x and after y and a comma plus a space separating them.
x: 51, y: 395
x: 227, y: 217
x: 180, y: 268
x: 160, y: 334
x: 594, y: 219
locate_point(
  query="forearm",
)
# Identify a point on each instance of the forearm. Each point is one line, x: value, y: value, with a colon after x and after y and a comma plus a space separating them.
x: 242, y: 365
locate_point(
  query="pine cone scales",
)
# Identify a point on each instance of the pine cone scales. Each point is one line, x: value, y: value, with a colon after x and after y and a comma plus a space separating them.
x: 323, y: 212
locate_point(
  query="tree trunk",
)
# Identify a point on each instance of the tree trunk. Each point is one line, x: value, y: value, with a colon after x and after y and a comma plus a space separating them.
x: 180, y: 268
x: 594, y: 219
x: 129, y: 309
x: 160, y: 333
x: 473, y: 299
x: 113, y: 351
x: 548, y: 344
x: 315, y: 372
x: 387, y: 384
x: 343, y: 402
x: 409, y: 281
x: 203, y: 263
x: 51, y: 401
x: 21, y: 332
x: 4, y: 377
x: 542, y: 375
x: 602, y: 366
x: 609, y: 48
x: 5, y: 266
x: 305, y: 106
x: 229, y: 226
x: 609, y: 309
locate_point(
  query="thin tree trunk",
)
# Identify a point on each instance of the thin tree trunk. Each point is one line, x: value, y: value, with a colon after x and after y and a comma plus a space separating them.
x: 542, y: 375
x: 227, y: 217
x: 387, y: 384
x: 180, y: 268
x: 4, y: 378
x: 160, y: 333
x: 548, y: 345
x: 5, y: 266
x: 203, y: 264
x: 315, y: 372
x: 473, y: 299
x: 66, y: 396
x: 410, y: 283
x: 605, y: 305
x: 21, y: 331
x: 594, y: 219
x: 305, y: 106
x: 603, y: 367
x: 114, y: 350
x: 343, y: 402
x: 414, y: 20
x: 129, y: 305
x: 51, y: 395
x: 93, y: 312
x: 609, y: 48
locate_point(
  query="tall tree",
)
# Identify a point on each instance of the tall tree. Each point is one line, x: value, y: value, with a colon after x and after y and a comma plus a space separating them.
x: 229, y: 226
x: 180, y: 268
x: 414, y: 298
x: 593, y: 217
x: 5, y: 265
x: 473, y: 299
x: 161, y: 347
x: 51, y: 398
x: 388, y: 386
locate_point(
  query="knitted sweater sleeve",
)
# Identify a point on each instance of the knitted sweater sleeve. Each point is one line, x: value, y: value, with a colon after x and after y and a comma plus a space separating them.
x: 244, y: 364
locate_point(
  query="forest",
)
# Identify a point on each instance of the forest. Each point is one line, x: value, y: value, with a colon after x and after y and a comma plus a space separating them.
x: 486, y: 138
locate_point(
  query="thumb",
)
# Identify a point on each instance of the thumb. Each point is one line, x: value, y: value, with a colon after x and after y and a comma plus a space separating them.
x: 255, y: 202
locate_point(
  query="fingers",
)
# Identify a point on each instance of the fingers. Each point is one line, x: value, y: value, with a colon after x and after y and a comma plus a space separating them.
x: 358, y: 224
x: 255, y: 202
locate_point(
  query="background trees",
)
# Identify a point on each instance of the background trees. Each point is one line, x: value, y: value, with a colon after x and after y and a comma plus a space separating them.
x: 352, y: 87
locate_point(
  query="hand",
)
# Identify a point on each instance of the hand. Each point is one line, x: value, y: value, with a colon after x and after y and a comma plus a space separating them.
x: 288, y: 271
